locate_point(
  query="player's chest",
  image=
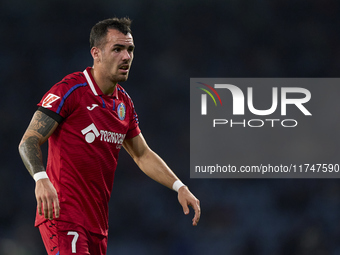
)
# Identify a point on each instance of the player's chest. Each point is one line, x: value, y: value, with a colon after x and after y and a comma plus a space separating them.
x: 105, y: 113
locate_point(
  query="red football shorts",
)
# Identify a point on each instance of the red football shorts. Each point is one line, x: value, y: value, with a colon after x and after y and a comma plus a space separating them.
x: 63, y: 238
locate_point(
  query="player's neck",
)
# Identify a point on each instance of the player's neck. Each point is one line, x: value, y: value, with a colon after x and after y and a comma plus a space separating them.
x: 105, y: 85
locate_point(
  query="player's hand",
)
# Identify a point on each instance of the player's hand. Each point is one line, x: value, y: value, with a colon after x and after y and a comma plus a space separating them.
x: 47, y: 197
x: 185, y: 198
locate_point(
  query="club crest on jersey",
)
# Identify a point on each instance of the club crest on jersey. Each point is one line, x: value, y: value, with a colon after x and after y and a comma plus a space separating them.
x: 49, y: 99
x: 121, y: 110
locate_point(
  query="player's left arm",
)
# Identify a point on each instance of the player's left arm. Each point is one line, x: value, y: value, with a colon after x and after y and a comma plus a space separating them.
x: 153, y: 166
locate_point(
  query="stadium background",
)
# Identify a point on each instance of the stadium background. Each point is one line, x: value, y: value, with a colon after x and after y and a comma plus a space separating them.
x: 42, y: 41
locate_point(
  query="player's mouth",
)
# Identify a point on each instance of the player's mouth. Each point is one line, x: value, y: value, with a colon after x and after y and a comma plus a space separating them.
x: 124, y: 68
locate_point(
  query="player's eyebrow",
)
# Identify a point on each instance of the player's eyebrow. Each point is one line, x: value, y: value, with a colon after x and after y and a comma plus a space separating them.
x: 124, y: 46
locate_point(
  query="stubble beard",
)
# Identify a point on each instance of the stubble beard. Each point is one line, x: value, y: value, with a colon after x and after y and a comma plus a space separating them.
x: 116, y: 77
x: 119, y: 78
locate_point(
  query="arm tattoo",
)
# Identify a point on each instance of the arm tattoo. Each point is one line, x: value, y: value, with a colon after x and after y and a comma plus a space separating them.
x: 42, y: 123
x: 38, y: 131
x: 31, y: 155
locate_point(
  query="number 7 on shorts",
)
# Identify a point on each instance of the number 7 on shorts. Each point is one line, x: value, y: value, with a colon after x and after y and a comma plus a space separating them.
x: 74, y: 240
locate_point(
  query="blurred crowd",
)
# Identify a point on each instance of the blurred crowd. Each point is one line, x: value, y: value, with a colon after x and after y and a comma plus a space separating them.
x: 42, y: 41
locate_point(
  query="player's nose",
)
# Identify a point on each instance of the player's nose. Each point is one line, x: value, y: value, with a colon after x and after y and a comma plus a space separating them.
x: 127, y: 55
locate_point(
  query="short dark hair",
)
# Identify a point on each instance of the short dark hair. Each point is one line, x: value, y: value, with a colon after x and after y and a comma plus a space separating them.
x: 99, y: 31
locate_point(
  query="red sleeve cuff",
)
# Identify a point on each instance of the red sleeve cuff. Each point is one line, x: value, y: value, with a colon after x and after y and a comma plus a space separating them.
x: 132, y: 133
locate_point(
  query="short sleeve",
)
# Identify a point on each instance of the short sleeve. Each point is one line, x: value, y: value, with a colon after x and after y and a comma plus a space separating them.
x: 61, y: 99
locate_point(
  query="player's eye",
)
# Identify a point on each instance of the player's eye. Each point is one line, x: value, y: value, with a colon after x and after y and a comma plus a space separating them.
x: 116, y: 49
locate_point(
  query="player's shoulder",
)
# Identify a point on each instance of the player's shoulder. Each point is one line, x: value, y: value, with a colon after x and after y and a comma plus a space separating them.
x: 122, y: 93
x: 73, y: 79
x: 73, y: 86
x: 71, y: 83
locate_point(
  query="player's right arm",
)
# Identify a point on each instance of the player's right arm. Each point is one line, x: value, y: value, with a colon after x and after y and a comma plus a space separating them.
x: 39, y: 130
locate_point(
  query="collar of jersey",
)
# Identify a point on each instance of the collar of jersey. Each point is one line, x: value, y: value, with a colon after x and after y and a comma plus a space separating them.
x: 93, y: 85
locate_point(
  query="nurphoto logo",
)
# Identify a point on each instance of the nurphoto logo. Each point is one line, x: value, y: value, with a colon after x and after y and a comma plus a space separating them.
x: 263, y: 127
x: 300, y: 97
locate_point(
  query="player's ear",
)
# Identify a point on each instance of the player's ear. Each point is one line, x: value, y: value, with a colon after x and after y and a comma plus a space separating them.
x: 95, y: 52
